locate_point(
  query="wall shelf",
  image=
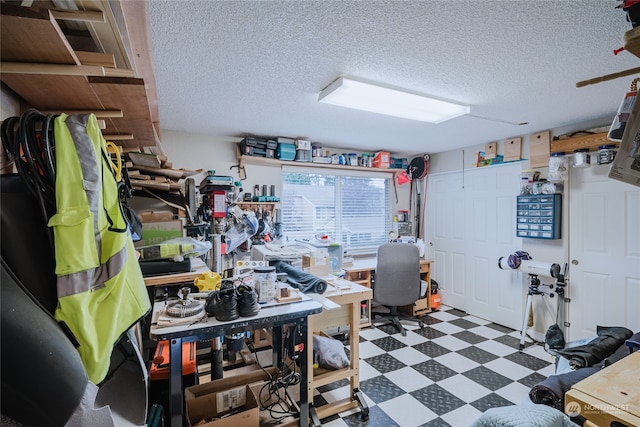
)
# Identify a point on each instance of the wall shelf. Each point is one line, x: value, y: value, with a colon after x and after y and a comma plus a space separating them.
x: 591, y: 142
x: 255, y: 160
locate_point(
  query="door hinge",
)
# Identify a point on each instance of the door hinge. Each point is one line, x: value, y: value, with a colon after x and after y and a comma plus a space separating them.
x: 567, y: 324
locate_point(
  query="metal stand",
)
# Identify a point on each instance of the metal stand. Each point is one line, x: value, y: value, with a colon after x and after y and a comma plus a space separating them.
x: 534, y: 289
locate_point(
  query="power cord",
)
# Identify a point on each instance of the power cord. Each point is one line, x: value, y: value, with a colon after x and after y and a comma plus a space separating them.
x: 28, y: 142
x: 270, y: 398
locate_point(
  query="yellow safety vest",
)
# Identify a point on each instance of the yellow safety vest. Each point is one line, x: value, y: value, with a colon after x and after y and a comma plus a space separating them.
x: 101, y: 291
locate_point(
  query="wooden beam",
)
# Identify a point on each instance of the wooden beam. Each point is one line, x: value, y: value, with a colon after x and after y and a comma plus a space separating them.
x: 609, y: 77
x: 592, y: 142
x: 123, y: 137
x: 63, y: 70
x: 96, y: 59
x: 78, y: 15
x: 97, y: 113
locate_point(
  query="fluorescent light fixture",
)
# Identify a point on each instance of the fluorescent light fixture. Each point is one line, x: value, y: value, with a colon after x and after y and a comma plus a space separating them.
x: 376, y: 98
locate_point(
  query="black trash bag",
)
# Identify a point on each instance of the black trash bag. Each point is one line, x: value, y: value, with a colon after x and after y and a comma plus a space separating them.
x: 554, y: 338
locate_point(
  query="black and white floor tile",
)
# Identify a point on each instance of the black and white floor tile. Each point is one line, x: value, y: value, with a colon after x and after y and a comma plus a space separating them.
x: 445, y: 374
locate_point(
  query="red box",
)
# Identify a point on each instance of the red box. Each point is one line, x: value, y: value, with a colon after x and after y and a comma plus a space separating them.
x: 381, y: 160
x: 159, y: 374
x: 160, y: 366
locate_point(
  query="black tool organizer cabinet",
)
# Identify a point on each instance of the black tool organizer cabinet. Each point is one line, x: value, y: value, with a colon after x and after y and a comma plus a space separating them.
x: 539, y: 216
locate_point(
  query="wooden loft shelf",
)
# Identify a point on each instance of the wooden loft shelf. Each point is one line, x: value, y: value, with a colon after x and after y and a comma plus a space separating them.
x: 51, y: 73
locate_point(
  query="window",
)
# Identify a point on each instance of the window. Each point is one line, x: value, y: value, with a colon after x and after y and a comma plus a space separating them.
x: 351, y: 207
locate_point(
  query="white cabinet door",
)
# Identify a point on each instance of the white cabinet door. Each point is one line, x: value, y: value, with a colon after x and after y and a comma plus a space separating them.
x: 604, y: 249
x: 471, y: 224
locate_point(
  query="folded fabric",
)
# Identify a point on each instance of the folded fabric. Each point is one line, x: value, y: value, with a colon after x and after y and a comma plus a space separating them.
x: 607, y: 342
x: 300, y: 279
x: 551, y: 391
x: 523, y: 416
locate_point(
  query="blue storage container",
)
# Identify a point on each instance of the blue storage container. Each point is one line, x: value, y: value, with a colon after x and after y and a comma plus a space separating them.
x: 286, y: 151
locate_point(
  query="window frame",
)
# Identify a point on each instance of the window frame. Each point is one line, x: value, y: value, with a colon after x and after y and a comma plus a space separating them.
x: 388, y: 175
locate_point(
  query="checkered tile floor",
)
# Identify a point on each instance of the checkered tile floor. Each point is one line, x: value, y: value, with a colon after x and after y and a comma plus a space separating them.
x: 446, y: 374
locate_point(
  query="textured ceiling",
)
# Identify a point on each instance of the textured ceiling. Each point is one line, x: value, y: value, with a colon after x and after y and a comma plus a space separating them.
x: 230, y: 68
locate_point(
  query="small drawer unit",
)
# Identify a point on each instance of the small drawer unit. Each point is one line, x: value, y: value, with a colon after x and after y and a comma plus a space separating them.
x: 539, y: 216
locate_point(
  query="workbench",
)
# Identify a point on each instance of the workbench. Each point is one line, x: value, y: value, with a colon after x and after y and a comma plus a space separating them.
x: 338, y: 306
x: 275, y: 316
x: 610, y: 395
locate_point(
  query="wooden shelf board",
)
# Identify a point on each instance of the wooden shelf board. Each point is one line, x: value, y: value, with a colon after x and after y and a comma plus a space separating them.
x: 63, y: 92
x: 592, y: 142
x: 277, y: 162
x: 27, y: 36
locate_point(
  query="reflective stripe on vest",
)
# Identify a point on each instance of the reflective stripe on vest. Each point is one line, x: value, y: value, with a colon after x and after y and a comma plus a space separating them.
x: 101, y: 292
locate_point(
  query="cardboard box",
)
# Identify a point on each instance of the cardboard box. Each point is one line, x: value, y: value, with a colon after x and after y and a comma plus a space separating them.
x: 156, y: 216
x: 257, y: 375
x: 317, y: 264
x: 154, y: 233
x: 381, y: 160
x: 229, y: 407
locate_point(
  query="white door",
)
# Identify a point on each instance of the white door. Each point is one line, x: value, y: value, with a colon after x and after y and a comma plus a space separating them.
x: 471, y: 224
x: 446, y: 227
x: 604, y: 249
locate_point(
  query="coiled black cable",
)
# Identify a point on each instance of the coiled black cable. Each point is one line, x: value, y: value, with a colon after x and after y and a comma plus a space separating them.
x: 29, y: 142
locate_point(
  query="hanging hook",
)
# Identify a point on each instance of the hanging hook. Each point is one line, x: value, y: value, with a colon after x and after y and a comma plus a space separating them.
x: 241, y: 172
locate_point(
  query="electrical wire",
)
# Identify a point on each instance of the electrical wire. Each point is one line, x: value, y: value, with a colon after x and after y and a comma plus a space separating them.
x: 28, y: 141
x: 270, y: 398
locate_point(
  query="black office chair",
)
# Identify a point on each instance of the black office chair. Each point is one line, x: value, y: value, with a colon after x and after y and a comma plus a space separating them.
x: 43, y: 378
x: 397, y: 281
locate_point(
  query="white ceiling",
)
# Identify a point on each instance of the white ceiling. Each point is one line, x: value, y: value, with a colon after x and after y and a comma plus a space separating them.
x: 231, y: 68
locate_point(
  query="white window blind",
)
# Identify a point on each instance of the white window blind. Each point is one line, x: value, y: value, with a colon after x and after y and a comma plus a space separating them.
x: 351, y: 207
